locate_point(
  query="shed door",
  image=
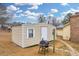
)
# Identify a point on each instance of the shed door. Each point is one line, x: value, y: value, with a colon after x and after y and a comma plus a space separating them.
x: 44, y: 33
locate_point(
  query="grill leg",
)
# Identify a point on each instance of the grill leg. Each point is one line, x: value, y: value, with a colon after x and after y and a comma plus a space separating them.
x: 39, y: 49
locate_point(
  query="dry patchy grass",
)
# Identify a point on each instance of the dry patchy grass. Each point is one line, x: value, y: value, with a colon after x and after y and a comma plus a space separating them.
x: 74, y: 45
x: 8, y: 48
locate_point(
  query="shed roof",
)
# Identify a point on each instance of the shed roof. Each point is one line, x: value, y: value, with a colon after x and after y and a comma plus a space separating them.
x: 38, y: 24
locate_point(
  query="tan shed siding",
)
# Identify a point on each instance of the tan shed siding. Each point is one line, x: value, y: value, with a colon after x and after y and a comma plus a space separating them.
x: 35, y: 39
x: 59, y: 32
x: 66, y: 32
x: 17, y: 35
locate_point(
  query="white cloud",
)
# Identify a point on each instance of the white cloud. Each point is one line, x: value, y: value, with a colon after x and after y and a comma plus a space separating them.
x: 12, y: 8
x: 22, y: 14
x: 19, y: 11
x: 54, y: 10
x: 51, y: 15
x: 60, y: 18
x: 32, y: 19
x: 34, y: 5
x: 29, y: 13
x: 72, y: 10
x: 64, y: 4
x: 31, y: 16
x: 20, y: 4
x: 15, y: 16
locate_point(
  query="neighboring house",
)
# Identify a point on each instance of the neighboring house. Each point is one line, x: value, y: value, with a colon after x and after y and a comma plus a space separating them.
x: 71, y: 29
x: 74, y: 25
x: 59, y: 30
x: 64, y: 32
x: 31, y: 34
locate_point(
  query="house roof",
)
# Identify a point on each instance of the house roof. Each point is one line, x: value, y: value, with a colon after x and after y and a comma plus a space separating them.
x: 60, y: 26
x: 67, y: 24
x: 75, y: 15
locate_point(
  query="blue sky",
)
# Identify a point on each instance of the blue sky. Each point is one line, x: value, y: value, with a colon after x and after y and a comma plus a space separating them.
x: 28, y: 12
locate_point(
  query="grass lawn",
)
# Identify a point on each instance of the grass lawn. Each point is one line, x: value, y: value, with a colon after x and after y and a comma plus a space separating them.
x: 8, y: 48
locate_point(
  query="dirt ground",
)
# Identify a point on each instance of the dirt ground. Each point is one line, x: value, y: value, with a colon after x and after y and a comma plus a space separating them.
x: 8, y: 48
x: 74, y: 45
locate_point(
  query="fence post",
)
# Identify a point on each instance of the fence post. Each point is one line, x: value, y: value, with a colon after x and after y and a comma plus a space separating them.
x: 53, y: 40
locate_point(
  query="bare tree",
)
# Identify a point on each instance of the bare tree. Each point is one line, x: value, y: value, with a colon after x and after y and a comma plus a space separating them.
x: 52, y: 20
x: 4, y: 16
x: 41, y: 19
